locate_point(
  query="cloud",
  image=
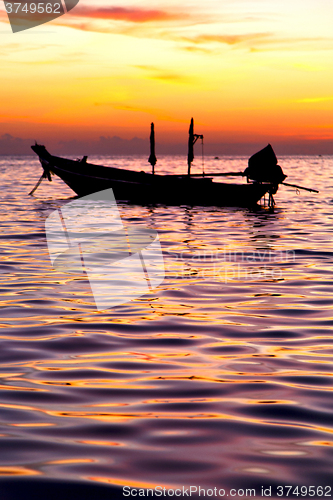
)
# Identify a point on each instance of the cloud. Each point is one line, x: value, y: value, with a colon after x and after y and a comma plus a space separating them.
x: 315, y: 99
x: 133, y: 21
x: 127, y: 14
x: 255, y: 42
x: 227, y: 39
x: 118, y: 13
x: 139, y: 23
x: 201, y: 50
x: 10, y: 145
x: 163, y: 24
x: 126, y: 107
x: 155, y: 73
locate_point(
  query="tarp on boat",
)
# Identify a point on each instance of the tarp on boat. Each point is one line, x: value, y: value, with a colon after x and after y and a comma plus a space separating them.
x: 152, y: 158
x: 263, y: 167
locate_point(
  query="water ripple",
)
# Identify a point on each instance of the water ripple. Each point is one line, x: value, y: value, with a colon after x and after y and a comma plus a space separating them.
x: 222, y: 377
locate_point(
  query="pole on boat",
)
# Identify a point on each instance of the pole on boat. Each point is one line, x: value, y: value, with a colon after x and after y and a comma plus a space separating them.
x: 192, y: 139
x: 190, y: 154
x: 152, y: 158
x: 299, y: 187
x: 219, y: 174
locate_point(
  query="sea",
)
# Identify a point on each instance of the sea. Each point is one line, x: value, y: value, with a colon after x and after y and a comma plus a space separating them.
x: 216, y: 383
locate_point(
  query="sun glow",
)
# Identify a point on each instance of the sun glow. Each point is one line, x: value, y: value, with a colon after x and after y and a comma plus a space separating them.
x: 246, y: 72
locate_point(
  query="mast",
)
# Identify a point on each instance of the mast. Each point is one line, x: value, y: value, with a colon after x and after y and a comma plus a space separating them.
x: 192, y: 139
x: 152, y: 158
x: 190, y: 154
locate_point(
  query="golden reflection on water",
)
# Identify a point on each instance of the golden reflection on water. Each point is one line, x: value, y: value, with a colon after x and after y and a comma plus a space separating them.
x: 39, y: 424
x: 18, y: 471
x: 102, y: 443
x: 256, y: 470
x: 285, y: 453
x: 71, y: 461
x: 123, y: 482
x: 318, y: 443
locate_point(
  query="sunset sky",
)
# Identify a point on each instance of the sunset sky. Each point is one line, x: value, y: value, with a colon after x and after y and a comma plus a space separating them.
x: 247, y: 71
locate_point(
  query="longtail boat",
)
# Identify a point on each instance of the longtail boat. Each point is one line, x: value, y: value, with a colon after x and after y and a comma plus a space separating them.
x: 263, y: 176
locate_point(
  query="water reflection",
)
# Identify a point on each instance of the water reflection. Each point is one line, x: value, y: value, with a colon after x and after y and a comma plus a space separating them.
x: 221, y: 378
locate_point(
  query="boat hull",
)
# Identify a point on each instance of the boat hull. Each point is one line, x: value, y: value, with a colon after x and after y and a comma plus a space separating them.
x: 143, y: 188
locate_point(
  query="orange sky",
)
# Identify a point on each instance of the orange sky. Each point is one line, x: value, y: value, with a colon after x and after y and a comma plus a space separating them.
x: 248, y: 71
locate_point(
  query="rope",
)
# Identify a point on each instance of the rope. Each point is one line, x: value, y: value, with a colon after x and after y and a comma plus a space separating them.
x: 38, y: 183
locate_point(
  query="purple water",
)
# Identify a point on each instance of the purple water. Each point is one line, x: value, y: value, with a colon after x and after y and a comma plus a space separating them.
x: 221, y: 378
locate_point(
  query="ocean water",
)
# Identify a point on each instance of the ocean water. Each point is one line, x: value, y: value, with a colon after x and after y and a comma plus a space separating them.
x: 220, y: 378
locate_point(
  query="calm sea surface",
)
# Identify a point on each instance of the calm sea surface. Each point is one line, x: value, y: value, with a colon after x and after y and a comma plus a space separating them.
x: 220, y: 378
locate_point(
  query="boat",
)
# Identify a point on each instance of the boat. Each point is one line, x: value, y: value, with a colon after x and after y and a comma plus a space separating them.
x: 263, y: 176
x: 147, y: 188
